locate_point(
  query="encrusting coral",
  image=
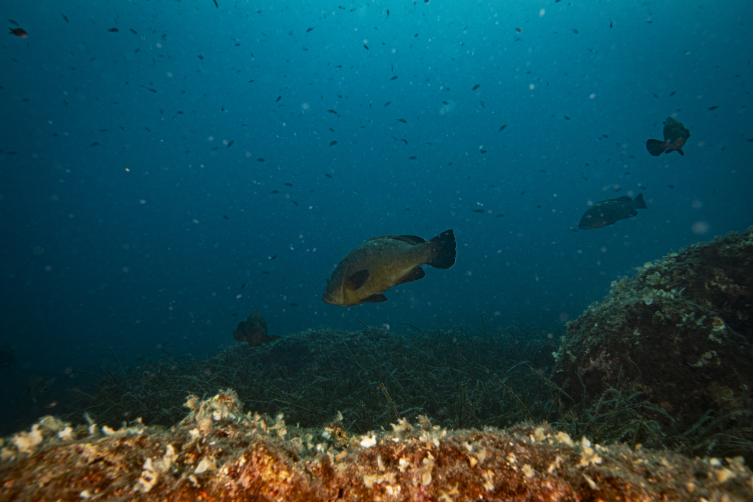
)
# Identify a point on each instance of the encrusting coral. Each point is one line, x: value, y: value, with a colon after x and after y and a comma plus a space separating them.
x: 219, y: 453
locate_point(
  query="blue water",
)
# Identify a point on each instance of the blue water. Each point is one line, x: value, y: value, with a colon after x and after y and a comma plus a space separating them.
x: 125, y: 244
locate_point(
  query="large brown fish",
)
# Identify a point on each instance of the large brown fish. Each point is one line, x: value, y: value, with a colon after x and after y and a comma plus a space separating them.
x: 610, y: 211
x: 380, y: 263
x: 675, y: 136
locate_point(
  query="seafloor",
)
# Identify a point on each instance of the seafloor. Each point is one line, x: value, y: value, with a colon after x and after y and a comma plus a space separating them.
x: 647, y: 396
x: 219, y: 453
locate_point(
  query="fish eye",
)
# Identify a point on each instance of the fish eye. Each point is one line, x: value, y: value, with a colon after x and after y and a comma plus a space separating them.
x: 327, y: 280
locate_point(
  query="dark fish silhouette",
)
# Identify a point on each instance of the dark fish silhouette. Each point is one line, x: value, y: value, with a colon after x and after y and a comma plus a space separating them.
x: 383, y: 262
x: 19, y: 32
x: 253, y: 330
x: 610, y: 211
x: 675, y: 136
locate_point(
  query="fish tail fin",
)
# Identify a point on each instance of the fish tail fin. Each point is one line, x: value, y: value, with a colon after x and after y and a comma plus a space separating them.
x: 655, y: 147
x: 639, y: 203
x: 442, y: 250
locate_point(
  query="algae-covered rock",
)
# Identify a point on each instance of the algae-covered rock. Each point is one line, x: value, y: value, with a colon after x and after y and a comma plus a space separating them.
x: 219, y: 453
x: 680, y: 331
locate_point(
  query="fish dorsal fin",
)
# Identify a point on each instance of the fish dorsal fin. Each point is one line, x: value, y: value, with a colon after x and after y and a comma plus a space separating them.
x: 625, y: 198
x: 376, y: 298
x: 382, y: 237
x: 410, y: 239
x: 357, y: 280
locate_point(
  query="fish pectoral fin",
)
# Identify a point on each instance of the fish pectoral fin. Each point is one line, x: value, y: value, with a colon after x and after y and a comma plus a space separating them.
x: 679, y: 150
x: 357, y: 280
x: 377, y: 298
x: 413, y: 274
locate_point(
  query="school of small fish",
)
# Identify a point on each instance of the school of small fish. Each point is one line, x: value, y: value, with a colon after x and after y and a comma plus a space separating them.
x: 381, y: 263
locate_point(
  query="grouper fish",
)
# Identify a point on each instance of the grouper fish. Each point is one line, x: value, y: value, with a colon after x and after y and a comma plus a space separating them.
x: 675, y: 136
x: 610, y: 211
x: 382, y: 262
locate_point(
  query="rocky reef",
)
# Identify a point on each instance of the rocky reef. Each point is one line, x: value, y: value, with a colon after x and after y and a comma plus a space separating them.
x: 219, y: 453
x: 678, y: 334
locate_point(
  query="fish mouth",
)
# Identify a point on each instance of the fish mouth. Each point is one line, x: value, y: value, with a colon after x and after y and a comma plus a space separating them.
x: 328, y: 298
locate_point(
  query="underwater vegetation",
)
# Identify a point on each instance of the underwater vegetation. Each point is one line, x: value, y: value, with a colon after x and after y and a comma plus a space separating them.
x: 656, y: 374
x: 459, y: 377
x: 677, y: 337
x: 217, y: 452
